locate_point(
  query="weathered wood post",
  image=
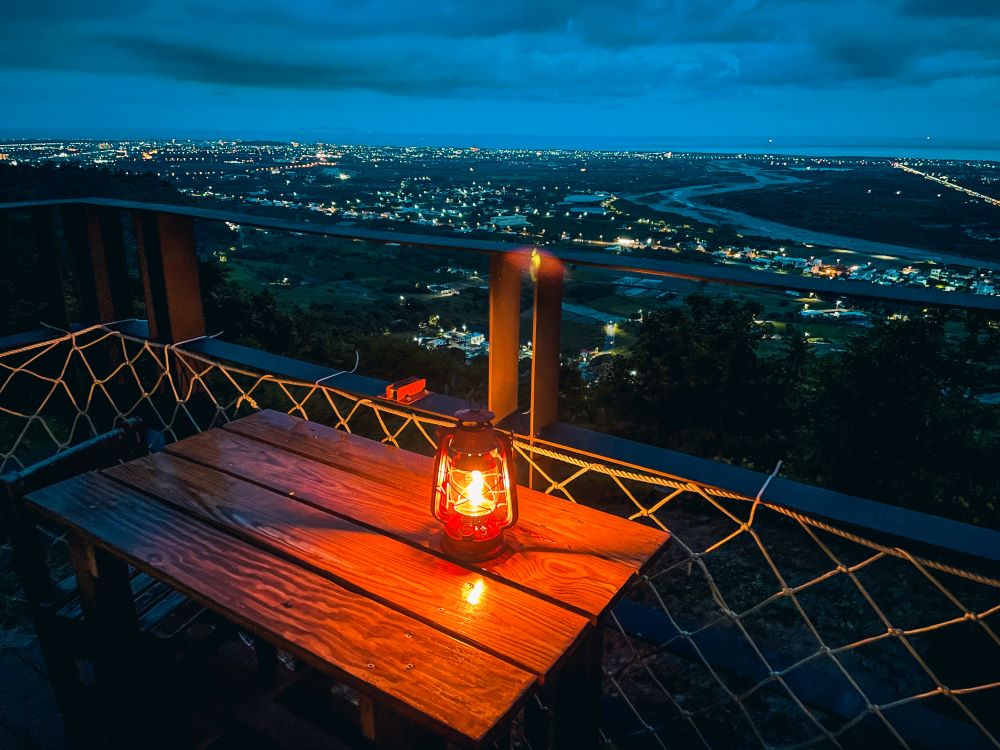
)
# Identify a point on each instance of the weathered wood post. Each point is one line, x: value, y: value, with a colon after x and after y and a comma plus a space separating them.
x: 169, y: 268
x: 505, y: 325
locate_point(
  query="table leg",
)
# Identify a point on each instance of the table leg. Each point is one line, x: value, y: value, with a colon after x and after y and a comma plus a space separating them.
x: 267, y: 662
x: 129, y: 693
x: 389, y: 730
x: 573, y: 698
x: 536, y: 722
x: 32, y: 570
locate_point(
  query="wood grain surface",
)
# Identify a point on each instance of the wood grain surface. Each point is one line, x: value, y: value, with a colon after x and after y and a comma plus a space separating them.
x: 507, y: 622
x: 582, y: 580
x: 544, y: 520
x: 457, y: 689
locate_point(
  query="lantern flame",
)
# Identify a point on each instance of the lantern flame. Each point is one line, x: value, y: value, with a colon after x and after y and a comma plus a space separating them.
x: 474, y: 501
x: 475, y: 490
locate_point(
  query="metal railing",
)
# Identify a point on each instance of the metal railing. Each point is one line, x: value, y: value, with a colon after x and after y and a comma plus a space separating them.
x: 782, y: 615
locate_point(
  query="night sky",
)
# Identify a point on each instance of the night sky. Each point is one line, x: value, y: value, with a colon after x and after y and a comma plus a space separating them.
x: 559, y: 72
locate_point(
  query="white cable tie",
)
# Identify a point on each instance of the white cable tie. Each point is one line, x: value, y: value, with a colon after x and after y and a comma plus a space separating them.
x: 760, y: 494
x: 196, y: 338
x: 357, y: 361
x: 56, y: 328
x: 331, y: 375
x: 118, y: 322
x: 767, y: 481
x: 95, y: 326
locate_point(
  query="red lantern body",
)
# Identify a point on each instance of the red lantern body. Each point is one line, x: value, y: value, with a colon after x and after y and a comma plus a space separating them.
x: 474, y: 493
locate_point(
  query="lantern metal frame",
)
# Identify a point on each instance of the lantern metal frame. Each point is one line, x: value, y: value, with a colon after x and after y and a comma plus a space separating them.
x: 476, y: 443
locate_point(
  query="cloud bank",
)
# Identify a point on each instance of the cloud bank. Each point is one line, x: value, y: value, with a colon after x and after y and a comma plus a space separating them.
x: 656, y: 54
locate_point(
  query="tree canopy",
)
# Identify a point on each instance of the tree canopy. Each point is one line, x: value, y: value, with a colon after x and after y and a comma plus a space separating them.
x: 893, y: 417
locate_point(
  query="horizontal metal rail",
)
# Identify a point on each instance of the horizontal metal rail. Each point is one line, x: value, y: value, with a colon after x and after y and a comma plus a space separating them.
x: 624, y: 263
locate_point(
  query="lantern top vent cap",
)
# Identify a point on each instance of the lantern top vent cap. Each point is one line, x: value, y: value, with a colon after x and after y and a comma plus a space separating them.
x: 475, y: 419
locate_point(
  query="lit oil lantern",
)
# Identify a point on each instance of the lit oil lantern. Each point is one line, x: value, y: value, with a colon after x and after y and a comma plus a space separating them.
x: 474, y: 494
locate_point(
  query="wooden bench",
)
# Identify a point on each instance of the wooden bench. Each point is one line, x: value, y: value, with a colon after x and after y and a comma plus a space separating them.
x: 56, y: 607
x: 322, y: 543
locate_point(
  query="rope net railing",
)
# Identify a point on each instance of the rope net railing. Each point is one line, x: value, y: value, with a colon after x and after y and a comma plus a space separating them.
x: 758, y: 627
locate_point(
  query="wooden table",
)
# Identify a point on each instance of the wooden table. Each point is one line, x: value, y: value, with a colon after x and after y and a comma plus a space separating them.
x: 322, y: 543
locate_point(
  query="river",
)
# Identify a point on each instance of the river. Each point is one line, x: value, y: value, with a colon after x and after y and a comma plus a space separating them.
x: 685, y: 202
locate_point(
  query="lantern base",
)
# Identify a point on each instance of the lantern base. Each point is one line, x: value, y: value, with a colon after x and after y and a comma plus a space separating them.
x: 473, y: 551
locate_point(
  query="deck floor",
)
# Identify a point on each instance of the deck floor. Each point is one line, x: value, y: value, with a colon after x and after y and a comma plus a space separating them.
x: 29, y: 718
x: 225, y: 686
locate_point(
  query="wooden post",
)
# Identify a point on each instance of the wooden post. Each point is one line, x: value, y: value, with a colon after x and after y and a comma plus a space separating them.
x: 139, y: 707
x: 109, y: 613
x: 75, y: 231
x: 32, y: 569
x: 94, y: 235
x: 505, y: 324
x: 267, y: 662
x: 546, y: 321
x: 536, y: 724
x: 573, y: 697
x: 388, y: 730
x: 53, y: 303
x: 27, y: 553
x: 169, y: 268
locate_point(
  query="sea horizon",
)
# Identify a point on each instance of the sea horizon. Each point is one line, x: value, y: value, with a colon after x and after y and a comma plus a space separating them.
x: 939, y: 149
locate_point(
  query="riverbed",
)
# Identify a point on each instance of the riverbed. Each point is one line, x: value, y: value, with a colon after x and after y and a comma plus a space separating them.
x: 686, y: 201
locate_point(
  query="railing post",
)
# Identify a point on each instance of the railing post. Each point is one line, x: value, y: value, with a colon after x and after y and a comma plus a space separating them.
x: 547, y: 316
x: 94, y: 235
x: 169, y: 268
x: 53, y: 304
x: 505, y: 325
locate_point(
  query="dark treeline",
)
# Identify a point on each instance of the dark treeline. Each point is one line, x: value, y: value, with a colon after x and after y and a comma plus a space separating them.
x: 51, y: 181
x: 894, y: 417
x: 332, y: 335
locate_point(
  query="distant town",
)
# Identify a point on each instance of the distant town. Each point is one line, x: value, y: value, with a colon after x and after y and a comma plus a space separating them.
x: 888, y: 221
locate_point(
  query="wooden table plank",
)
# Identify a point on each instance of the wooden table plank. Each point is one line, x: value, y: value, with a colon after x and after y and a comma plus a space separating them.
x: 544, y: 519
x: 428, y: 675
x: 586, y: 582
x: 507, y: 622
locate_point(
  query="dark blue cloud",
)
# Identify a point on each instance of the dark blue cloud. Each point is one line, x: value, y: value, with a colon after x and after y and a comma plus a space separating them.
x: 952, y: 8
x: 643, y: 65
